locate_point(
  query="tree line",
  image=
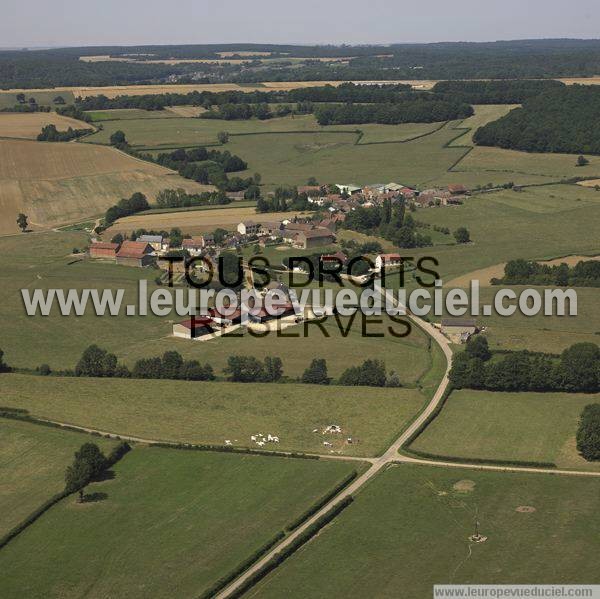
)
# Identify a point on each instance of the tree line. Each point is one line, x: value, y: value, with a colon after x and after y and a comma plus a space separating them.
x: 421, y: 109
x: 179, y: 198
x: 576, y: 370
x: 50, y: 133
x: 585, y: 273
x: 98, y: 362
x: 562, y: 120
x: 515, y: 91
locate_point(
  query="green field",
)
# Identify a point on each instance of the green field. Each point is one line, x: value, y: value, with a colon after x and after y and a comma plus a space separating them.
x: 525, y: 166
x: 33, y: 460
x: 45, y: 98
x: 535, y: 427
x: 173, y: 523
x: 545, y: 333
x: 141, y: 128
x: 506, y: 225
x: 409, y: 529
x: 201, y: 412
x: 127, y: 114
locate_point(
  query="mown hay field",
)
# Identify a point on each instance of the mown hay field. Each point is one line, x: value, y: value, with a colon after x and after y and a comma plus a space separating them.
x: 211, y: 412
x: 29, y: 125
x: 409, y: 529
x: 32, y: 466
x: 170, y: 523
x: 533, y: 427
x: 56, y: 183
x: 196, y: 221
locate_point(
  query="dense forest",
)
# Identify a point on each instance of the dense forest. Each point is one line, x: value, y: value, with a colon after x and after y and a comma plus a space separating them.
x: 421, y: 109
x: 490, y: 60
x: 585, y: 273
x: 563, y: 120
x: 495, y: 92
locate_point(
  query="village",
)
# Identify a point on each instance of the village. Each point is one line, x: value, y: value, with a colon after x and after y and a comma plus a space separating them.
x: 314, y: 232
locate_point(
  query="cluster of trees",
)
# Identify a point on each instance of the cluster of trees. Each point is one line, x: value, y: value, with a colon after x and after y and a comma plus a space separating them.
x: 577, y: 369
x: 316, y: 373
x: 90, y: 464
x: 208, y: 166
x: 50, y: 133
x: 233, y: 112
x: 284, y: 198
x: 249, y: 369
x: 371, y: 373
x: 126, y: 206
x: 418, y: 109
x: 230, y: 163
x: 588, y: 433
x: 388, y: 221
x: 563, y: 120
x: 585, y: 273
x: 172, y: 366
x: 179, y: 198
x: 97, y: 362
x: 514, y: 91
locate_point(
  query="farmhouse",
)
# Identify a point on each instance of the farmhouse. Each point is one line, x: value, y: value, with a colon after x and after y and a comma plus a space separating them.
x: 155, y: 241
x: 200, y: 326
x: 457, y: 189
x: 313, y: 238
x: 459, y: 329
x: 135, y: 253
x: 386, y: 260
x: 248, y: 227
x: 193, y: 246
x: 103, y: 249
x: 338, y: 256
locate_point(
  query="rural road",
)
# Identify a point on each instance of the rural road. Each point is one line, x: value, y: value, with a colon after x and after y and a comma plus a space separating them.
x: 377, y: 464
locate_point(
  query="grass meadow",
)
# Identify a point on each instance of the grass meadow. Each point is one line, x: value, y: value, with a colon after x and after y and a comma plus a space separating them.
x: 211, y: 412
x: 150, y: 129
x: 42, y: 97
x: 409, y: 528
x: 535, y: 427
x: 171, y: 524
x: 32, y: 466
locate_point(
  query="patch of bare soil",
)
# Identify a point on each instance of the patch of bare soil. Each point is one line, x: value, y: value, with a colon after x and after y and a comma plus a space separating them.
x: 464, y: 486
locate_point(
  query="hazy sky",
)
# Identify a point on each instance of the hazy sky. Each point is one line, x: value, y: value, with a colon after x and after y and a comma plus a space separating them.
x: 128, y: 22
